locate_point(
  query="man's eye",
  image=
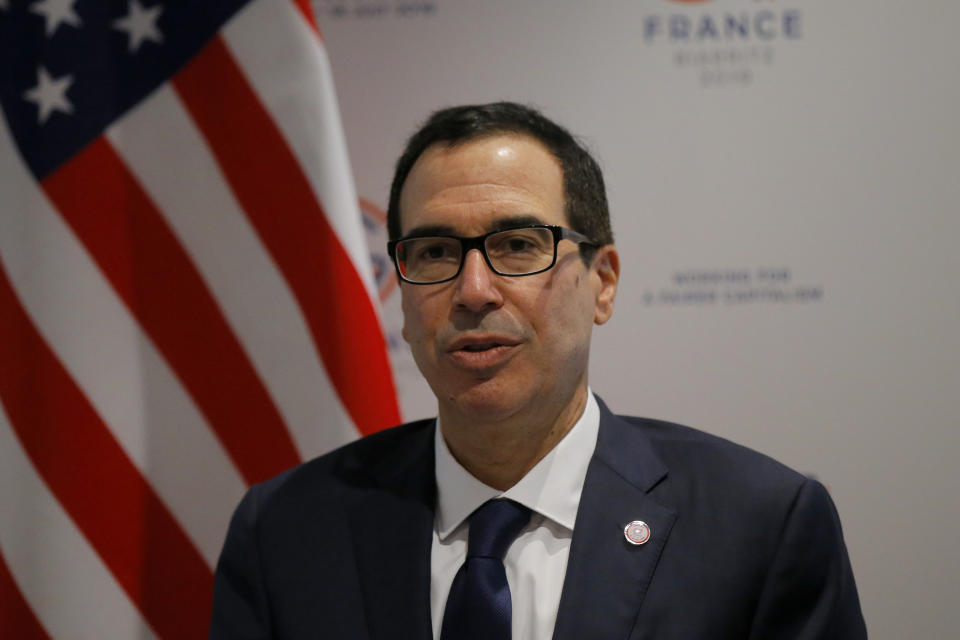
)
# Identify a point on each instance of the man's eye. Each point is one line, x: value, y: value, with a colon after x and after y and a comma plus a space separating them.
x: 518, y: 245
x: 435, y: 252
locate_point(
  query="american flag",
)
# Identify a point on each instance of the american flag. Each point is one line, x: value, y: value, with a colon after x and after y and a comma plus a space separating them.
x: 186, y: 299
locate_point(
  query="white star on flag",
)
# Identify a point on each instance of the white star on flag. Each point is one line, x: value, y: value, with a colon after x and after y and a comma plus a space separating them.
x: 50, y: 94
x: 140, y: 24
x: 55, y: 12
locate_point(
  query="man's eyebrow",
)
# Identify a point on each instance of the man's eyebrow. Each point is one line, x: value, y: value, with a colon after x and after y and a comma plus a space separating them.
x: 515, y: 222
x: 431, y: 230
x: 501, y: 224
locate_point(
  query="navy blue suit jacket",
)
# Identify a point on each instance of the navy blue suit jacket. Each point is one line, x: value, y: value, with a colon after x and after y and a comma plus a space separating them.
x: 741, y: 546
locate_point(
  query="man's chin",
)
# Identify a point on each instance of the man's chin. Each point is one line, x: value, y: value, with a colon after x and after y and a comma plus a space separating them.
x: 488, y: 400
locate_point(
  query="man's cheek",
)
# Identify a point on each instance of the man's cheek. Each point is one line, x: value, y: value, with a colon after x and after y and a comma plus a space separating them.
x: 409, y: 309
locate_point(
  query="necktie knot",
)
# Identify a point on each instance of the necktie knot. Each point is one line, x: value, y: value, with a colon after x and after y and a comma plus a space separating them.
x: 494, y: 526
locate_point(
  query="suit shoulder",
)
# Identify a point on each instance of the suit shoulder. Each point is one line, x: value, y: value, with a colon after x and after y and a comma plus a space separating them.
x: 693, y: 453
x: 353, y: 466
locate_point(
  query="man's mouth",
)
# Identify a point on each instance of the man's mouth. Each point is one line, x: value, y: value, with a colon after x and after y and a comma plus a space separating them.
x: 481, y: 347
x: 478, y: 343
x: 482, y: 352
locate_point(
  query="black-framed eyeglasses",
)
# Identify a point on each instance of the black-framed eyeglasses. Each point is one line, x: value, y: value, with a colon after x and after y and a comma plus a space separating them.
x: 521, y: 251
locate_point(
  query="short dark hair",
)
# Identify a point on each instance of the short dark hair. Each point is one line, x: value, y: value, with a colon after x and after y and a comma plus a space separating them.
x: 585, y: 197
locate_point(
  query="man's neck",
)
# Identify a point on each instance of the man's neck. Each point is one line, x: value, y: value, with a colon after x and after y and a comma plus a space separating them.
x: 500, y: 453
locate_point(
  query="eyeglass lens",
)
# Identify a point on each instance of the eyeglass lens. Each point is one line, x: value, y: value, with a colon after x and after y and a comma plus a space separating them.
x: 510, y: 252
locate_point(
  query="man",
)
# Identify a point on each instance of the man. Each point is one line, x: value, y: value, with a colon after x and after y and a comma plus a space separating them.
x: 526, y: 506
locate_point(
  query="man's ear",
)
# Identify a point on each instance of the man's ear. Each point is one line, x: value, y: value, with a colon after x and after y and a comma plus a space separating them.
x: 606, y: 266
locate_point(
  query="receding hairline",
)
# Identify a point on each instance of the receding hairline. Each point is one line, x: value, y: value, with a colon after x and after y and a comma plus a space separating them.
x: 464, y: 141
x: 482, y: 136
x: 584, y: 195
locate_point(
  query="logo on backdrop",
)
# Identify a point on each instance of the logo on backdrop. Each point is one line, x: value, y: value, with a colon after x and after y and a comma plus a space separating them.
x: 722, y: 46
x: 375, y: 9
x: 384, y: 275
x: 375, y: 228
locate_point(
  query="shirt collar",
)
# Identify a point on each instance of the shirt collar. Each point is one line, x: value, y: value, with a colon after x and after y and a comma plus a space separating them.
x: 552, y: 488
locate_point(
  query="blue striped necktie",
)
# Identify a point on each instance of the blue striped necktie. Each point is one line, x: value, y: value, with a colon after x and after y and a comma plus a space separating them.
x: 479, y: 602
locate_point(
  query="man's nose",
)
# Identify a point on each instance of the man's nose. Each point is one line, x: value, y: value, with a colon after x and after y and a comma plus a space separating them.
x: 476, y: 286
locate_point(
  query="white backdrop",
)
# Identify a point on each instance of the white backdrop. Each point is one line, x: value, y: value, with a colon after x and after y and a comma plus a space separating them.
x: 783, y: 179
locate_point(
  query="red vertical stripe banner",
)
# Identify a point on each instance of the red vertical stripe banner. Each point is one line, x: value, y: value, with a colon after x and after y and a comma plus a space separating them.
x: 116, y: 245
x: 97, y: 484
x: 17, y: 620
x: 302, y: 241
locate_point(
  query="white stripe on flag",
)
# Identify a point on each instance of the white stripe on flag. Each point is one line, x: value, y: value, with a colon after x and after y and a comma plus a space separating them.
x: 177, y: 170
x: 59, y: 575
x: 113, y: 363
x: 277, y: 49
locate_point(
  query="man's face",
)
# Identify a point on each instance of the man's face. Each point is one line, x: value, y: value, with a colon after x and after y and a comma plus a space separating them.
x: 494, y: 347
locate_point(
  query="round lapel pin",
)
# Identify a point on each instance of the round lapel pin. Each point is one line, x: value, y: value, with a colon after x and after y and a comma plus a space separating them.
x: 637, y: 532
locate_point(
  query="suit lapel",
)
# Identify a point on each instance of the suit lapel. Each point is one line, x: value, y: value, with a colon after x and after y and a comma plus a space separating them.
x: 393, y: 532
x: 607, y: 577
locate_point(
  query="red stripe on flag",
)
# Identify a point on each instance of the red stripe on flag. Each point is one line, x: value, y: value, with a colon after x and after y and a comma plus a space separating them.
x: 307, y: 11
x: 276, y: 196
x: 97, y: 484
x: 140, y: 256
x: 17, y: 619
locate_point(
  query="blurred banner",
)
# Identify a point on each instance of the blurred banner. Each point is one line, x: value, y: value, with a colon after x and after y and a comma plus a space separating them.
x: 187, y: 304
x: 783, y: 184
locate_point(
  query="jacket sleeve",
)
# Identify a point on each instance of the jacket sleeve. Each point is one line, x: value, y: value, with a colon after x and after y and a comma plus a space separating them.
x: 809, y: 592
x: 240, y: 610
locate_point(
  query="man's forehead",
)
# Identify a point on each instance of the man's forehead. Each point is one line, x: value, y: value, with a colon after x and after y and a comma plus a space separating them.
x: 499, y: 140
x: 483, y: 184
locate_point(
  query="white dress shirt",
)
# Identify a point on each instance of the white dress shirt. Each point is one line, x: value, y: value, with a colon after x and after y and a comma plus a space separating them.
x: 537, y: 560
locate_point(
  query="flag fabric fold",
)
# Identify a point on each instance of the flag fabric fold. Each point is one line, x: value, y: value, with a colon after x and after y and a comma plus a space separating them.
x: 186, y: 298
